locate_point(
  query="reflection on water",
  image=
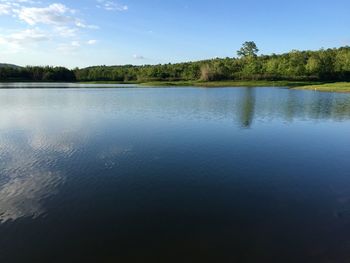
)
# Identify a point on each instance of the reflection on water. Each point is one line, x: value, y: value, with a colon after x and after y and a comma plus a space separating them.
x: 28, y: 175
x: 136, y: 175
x: 241, y: 104
x: 247, y: 108
x: 21, y: 197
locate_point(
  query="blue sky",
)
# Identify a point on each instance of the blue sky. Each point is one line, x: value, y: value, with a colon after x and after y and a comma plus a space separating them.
x: 102, y: 32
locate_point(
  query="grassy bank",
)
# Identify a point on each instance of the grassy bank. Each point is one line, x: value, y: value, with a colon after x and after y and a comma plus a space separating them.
x: 108, y: 82
x: 300, y: 85
x: 213, y: 83
x: 328, y: 87
x: 232, y: 83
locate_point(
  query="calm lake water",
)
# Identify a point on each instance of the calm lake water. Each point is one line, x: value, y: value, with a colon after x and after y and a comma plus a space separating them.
x: 174, y: 175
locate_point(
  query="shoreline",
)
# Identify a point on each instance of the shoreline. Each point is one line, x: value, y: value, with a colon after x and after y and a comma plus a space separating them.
x: 340, y: 87
x: 232, y: 83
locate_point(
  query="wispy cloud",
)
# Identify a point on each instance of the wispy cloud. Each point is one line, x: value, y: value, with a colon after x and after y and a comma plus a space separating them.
x: 42, y: 20
x: 139, y: 57
x: 74, y: 46
x: 81, y: 24
x: 91, y: 42
x: 111, y: 5
x: 29, y: 36
x: 17, y: 2
x: 65, y: 31
x: 5, y: 9
x: 69, y: 47
x: 55, y: 14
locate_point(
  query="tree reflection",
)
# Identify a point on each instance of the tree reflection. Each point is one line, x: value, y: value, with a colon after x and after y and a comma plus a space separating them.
x: 246, y: 115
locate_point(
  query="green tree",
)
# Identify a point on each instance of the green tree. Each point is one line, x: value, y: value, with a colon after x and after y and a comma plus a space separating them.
x: 248, y: 49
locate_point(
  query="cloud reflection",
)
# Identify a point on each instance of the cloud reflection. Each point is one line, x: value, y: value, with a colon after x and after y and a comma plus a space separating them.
x: 38, y: 128
x: 22, y: 196
x: 27, y: 175
x: 29, y: 152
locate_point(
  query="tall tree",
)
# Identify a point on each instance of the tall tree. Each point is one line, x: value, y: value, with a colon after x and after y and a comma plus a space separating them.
x: 248, y: 49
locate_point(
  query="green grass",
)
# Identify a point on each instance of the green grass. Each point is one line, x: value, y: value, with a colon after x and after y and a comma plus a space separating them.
x: 328, y: 87
x: 230, y: 83
x: 302, y: 85
x: 108, y: 82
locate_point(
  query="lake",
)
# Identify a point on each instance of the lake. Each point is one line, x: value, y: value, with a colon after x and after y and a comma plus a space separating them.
x: 174, y: 175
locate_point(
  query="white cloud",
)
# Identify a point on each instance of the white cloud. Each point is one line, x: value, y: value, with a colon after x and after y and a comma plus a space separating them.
x: 75, y: 44
x: 111, y: 6
x: 16, y: 2
x: 5, y: 9
x: 136, y: 56
x: 69, y: 47
x: 54, y: 22
x: 81, y: 24
x: 66, y: 31
x: 11, y: 7
x: 54, y: 14
x: 91, y: 42
x: 19, y: 39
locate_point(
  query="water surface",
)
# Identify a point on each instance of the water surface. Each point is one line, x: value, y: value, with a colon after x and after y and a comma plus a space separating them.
x: 174, y: 175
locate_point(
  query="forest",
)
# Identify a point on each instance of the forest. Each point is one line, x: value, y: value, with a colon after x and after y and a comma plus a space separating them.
x: 322, y: 65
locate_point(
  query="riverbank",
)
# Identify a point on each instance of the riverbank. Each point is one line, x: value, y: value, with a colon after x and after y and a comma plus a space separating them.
x: 231, y: 83
x: 260, y: 83
x: 328, y: 87
x: 300, y: 85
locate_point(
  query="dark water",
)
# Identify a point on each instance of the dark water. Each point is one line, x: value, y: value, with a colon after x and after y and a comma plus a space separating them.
x: 174, y: 175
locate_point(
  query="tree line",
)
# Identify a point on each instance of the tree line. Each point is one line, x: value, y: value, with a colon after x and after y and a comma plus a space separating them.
x: 322, y: 65
x: 29, y: 73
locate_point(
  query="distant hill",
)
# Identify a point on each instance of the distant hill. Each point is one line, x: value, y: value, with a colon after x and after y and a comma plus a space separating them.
x: 4, y: 65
